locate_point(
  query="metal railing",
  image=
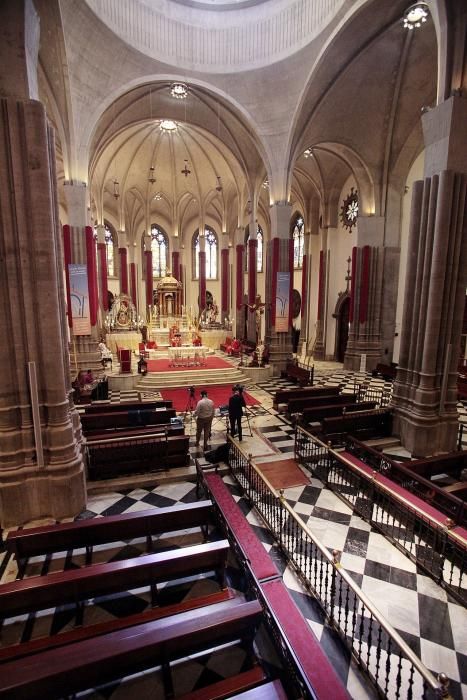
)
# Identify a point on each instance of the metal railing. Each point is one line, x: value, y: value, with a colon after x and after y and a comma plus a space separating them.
x: 439, y: 551
x: 389, y: 662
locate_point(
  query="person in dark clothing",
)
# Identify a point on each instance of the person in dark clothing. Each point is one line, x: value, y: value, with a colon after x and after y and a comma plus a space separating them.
x: 236, y: 404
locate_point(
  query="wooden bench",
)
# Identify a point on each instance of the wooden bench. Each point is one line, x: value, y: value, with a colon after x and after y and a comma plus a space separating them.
x: 458, y: 488
x: 113, y: 456
x: 300, y: 404
x: 317, y: 413
x: 297, y: 374
x: 451, y: 464
x: 75, y: 586
x: 377, y: 423
x: 86, y: 664
x: 86, y: 534
x: 156, y: 430
x: 243, y: 683
x: 130, y: 406
x: 284, y: 395
x: 126, y: 419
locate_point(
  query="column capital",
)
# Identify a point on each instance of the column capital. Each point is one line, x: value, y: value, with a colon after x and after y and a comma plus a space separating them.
x: 76, y: 199
x: 280, y: 219
x: 444, y: 136
x: 370, y: 230
x: 19, y: 49
x: 100, y: 230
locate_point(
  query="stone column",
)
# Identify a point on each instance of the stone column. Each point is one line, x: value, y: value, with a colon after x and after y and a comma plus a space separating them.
x: 102, y: 268
x: 425, y: 390
x: 306, y: 276
x: 225, y: 283
x: 252, y: 253
x: 202, y: 272
x: 319, y: 347
x: 123, y: 262
x: 41, y: 464
x: 239, y: 329
x: 279, y: 259
x: 149, y: 297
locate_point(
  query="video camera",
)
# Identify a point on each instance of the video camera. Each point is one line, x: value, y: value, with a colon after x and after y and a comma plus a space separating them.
x: 191, y: 390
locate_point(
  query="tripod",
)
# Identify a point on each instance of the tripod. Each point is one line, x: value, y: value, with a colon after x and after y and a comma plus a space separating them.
x: 190, y: 406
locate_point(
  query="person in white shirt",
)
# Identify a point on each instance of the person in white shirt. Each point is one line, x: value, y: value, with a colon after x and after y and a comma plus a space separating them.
x: 204, y: 413
x: 106, y: 354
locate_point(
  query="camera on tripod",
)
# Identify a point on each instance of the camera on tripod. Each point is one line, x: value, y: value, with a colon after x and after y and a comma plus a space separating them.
x: 191, y: 391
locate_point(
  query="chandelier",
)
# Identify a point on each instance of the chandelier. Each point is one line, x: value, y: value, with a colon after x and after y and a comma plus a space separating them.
x: 415, y: 15
x: 179, y: 91
x: 185, y: 170
x: 116, y: 192
x: 152, y: 177
x: 219, y: 184
x: 168, y: 125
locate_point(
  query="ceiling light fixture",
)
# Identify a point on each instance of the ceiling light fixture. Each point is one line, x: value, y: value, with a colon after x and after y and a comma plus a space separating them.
x: 179, y: 91
x: 152, y: 178
x: 219, y: 185
x: 157, y: 196
x: 415, y: 15
x: 185, y: 170
x: 265, y: 185
x: 116, y: 192
x: 168, y: 125
x: 308, y: 153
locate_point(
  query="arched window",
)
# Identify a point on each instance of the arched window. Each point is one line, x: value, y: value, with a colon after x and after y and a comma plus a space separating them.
x: 211, y: 254
x: 298, y: 236
x: 110, y: 240
x: 259, y: 250
x: 160, y: 249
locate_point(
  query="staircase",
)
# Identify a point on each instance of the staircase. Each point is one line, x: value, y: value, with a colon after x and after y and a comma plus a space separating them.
x: 201, y: 377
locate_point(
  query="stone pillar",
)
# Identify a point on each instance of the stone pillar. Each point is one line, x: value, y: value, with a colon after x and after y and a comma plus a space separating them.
x: 41, y: 464
x: 319, y: 347
x: 149, y: 296
x: 279, y: 259
x: 225, y: 284
x: 425, y: 390
x: 239, y: 330
x: 123, y: 262
x: 102, y: 268
x: 252, y: 253
x: 305, y: 312
x: 202, y: 273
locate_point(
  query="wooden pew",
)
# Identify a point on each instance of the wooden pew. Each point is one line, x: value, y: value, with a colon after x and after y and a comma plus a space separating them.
x: 297, y: 374
x: 234, y: 687
x: 300, y: 404
x: 113, y: 456
x: 158, y: 430
x: 273, y: 690
x: 458, y: 488
x: 86, y: 664
x: 125, y: 419
x: 129, y: 406
x: 317, y: 413
x: 87, y: 534
x: 373, y: 424
x: 76, y: 586
x: 451, y: 464
x: 284, y: 395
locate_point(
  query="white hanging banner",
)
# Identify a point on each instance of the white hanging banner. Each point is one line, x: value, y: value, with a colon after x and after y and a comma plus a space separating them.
x: 282, y: 302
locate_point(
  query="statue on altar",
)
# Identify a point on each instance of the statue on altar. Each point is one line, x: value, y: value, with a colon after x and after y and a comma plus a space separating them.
x: 123, y: 315
x: 168, y: 297
x: 258, y: 308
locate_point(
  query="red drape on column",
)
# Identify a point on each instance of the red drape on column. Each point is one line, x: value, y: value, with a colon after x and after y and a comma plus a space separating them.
x: 92, y: 274
x: 101, y: 247
x: 320, y: 285
x: 133, y: 282
x: 365, y: 283
x: 224, y: 282
x: 176, y: 264
x: 123, y: 271
x: 202, y: 280
x: 304, y: 284
x: 240, y: 273
x: 291, y: 257
x: 252, y: 255
x: 67, y: 260
x: 352, y: 283
x: 149, y: 281
x: 275, y: 270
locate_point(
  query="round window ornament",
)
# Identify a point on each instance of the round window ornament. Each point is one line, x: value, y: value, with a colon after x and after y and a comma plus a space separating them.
x: 349, y: 210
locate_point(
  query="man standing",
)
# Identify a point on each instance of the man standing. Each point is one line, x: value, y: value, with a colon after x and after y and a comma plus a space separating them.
x: 236, y: 403
x: 204, y: 413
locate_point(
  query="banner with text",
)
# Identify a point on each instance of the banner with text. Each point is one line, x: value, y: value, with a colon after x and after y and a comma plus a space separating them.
x: 79, y: 295
x: 282, y: 302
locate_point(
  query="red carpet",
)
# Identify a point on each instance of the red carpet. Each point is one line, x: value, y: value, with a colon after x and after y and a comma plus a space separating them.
x: 219, y: 394
x: 163, y: 365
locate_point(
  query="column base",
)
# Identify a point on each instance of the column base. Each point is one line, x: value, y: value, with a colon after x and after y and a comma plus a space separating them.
x: 38, y: 496
x: 425, y: 436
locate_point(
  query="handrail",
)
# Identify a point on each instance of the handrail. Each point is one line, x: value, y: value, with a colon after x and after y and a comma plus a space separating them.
x: 437, y: 686
x: 332, y: 559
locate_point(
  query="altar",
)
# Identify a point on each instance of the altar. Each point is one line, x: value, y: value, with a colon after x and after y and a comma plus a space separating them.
x: 188, y: 356
x: 123, y: 339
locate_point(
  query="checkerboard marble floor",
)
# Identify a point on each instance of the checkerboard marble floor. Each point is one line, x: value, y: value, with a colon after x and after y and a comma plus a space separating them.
x: 433, y: 624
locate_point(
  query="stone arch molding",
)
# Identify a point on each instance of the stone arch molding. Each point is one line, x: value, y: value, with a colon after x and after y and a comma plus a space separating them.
x: 213, y: 41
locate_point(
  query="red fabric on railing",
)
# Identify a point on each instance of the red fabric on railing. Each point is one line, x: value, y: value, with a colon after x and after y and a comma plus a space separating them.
x: 92, y: 274
x: 275, y: 269
x: 133, y: 282
x: 102, y: 250
x: 352, y: 284
x: 320, y: 285
x: 240, y: 272
x: 364, y: 284
x: 123, y: 271
x: 224, y: 282
x: 252, y: 255
x: 176, y: 264
x: 149, y: 280
x: 67, y: 261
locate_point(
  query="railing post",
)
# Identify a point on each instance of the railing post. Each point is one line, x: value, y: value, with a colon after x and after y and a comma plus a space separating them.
x: 281, y: 518
x: 336, y: 558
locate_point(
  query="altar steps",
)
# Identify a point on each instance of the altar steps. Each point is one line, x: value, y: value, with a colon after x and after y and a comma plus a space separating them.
x: 183, y: 378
